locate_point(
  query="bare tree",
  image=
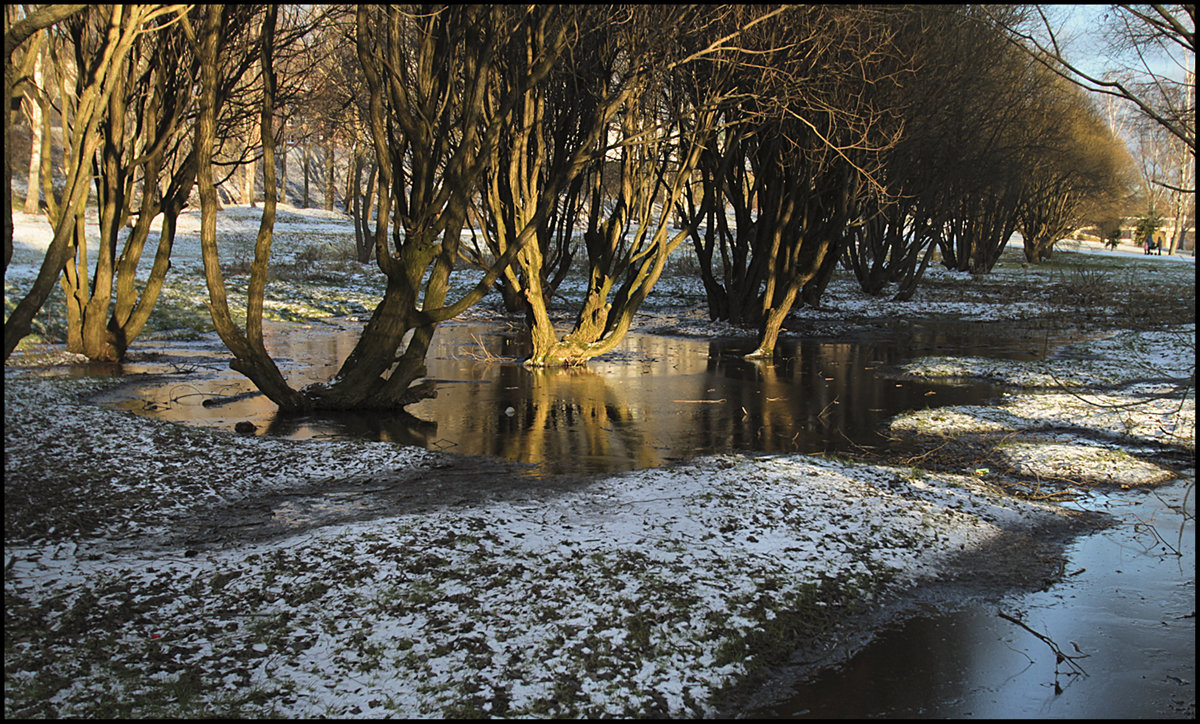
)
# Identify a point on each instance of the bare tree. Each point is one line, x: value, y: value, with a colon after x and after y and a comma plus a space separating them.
x: 38, y: 127
x: 615, y: 151
x: 994, y: 136
x: 103, y: 74
x: 942, y: 72
x: 17, y: 75
x: 1075, y: 162
x: 429, y: 72
x: 250, y: 355
x: 798, y: 146
x: 1167, y: 171
x: 1143, y: 35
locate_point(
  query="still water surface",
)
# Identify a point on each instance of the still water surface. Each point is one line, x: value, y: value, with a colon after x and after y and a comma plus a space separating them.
x: 654, y: 400
x: 1128, y: 602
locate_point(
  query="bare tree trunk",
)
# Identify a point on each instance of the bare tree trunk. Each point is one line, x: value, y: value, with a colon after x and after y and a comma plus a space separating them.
x: 773, y: 325
x: 81, y: 142
x: 360, y: 210
x: 283, y: 171
x: 1187, y: 179
x: 250, y: 356
x: 248, y: 182
x: 32, y: 195
x: 330, y: 181
x: 17, y: 325
x: 305, y: 163
x: 352, y: 180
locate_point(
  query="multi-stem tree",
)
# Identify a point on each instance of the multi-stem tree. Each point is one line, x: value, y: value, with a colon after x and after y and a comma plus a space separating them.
x: 797, y: 146
x: 144, y: 167
x: 102, y: 75
x: 429, y: 72
x: 981, y: 185
x: 942, y: 52
x: 551, y: 153
x: 645, y: 87
x: 1076, y: 163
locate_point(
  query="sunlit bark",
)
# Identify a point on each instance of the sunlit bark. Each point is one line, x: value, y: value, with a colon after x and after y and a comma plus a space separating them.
x: 15, y: 78
x: 633, y: 134
x: 144, y: 146
x: 34, y: 103
x: 250, y: 356
x: 428, y: 76
x: 81, y: 138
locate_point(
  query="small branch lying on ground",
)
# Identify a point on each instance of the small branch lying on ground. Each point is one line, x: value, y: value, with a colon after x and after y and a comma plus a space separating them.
x: 1060, y: 657
x: 1180, y: 390
x: 217, y: 401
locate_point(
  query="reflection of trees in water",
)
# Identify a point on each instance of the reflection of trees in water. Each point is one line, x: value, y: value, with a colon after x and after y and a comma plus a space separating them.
x: 398, y: 427
x: 813, y: 396
x: 557, y: 418
x: 655, y: 399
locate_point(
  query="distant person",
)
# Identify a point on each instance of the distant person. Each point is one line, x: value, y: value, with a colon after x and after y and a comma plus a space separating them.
x: 1148, y: 245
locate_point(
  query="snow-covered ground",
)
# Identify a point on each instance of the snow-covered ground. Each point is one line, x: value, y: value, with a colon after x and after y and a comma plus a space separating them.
x: 634, y: 595
x: 653, y: 592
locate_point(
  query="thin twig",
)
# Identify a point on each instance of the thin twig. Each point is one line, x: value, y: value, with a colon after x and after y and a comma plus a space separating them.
x: 1060, y: 657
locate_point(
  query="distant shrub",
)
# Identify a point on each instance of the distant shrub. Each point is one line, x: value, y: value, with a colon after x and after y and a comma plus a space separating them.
x: 332, y: 250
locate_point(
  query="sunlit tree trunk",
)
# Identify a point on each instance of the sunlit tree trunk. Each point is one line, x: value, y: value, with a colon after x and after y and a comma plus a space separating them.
x: 430, y: 154
x: 283, y: 167
x: 250, y: 356
x: 15, y: 36
x: 330, y: 181
x: 249, y: 171
x: 81, y: 138
x: 143, y: 137
x: 32, y: 195
x: 305, y: 165
x: 658, y: 125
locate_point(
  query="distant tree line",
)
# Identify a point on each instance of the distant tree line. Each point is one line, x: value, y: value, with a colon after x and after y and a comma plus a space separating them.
x: 533, y: 142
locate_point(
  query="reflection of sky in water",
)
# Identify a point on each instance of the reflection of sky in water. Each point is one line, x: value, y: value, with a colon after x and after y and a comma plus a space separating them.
x: 1127, y: 602
x: 653, y: 400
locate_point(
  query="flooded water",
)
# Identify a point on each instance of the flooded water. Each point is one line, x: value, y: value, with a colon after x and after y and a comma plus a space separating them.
x: 1127, y: 601
x: 653, y: 400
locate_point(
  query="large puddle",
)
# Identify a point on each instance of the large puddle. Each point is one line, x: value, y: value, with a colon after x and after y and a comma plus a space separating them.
x: 654, y: 400
x: 1127, y: 601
